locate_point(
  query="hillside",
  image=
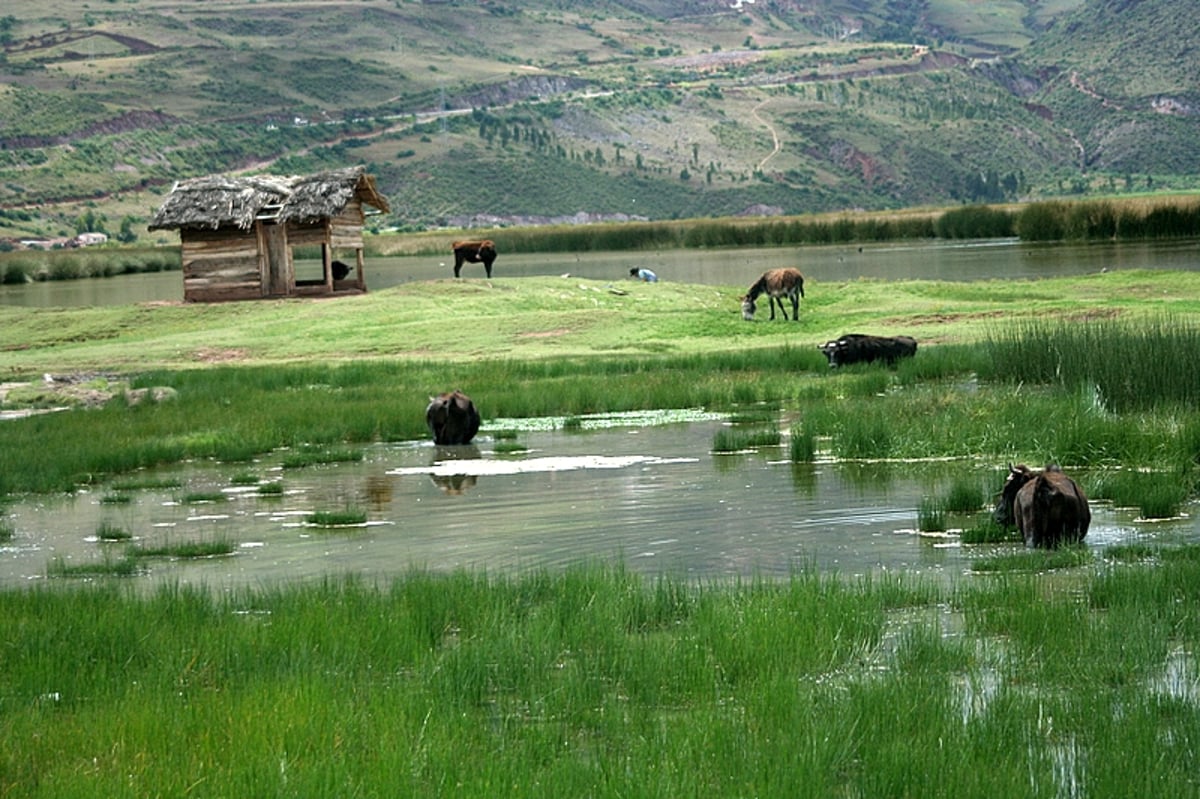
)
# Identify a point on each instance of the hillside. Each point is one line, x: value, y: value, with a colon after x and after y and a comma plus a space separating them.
x: 539, y: 110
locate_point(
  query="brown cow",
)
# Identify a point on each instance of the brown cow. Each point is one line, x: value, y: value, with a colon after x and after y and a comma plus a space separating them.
x: 475, y: 252
x: 452, y: 418
x: 1048, y: 507
x: 776, y: 284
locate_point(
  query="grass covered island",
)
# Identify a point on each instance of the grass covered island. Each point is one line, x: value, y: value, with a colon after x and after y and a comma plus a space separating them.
x: 1050, y: 675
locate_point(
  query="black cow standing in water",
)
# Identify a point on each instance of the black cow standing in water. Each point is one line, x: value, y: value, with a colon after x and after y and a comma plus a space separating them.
x: 452, y: 418
x: 340, y: 270
x: 861, y: 348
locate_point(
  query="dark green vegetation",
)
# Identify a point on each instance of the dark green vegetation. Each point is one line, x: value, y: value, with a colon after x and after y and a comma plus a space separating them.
x: 600, y: 682
x: 605, y: 110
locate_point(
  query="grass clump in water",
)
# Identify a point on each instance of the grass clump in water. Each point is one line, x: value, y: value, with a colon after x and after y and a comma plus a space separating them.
x: 509, y: 447
x: 186, y: 549
x: 347, y: 517
x: 314, y: 457
x: 107, y: 531
x: 107, y: 567
x: 202, y: 497
x: 270, y: 490
x: 931, y: 515
x: 736, y: 439
x: 802, y: 445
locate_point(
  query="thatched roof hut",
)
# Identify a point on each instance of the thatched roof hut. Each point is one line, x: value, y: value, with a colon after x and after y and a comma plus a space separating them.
x: 238, y: 233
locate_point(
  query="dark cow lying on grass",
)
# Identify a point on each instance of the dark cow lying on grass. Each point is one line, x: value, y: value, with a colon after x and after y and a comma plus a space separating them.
x: 1048, y: 507
x: 474, y: 252
x: 861, y: 348
x: 452, y: 418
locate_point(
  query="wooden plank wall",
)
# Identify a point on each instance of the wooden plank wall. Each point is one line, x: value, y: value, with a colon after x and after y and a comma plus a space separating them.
x: 220, y: 265
x: 346, y: 228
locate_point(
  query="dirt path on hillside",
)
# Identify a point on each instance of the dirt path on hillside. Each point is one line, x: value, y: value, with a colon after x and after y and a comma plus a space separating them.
x: 774, y: 134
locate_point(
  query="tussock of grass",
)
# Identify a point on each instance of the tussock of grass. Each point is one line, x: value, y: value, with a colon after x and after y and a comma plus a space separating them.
x: 314, y: 457
x: 201, y: 497
x: 107, y: 567
x: 107, y: 531
x: 347, y: 517
x: 931, y: 515
x: 737, y: 439
x: 185, y: 549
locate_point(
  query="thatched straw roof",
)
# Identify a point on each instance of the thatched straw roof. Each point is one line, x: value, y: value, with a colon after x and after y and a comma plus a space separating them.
x: 219, y: 201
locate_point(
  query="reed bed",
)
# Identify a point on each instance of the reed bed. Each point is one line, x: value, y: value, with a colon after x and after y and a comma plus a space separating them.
x: 595, y: 681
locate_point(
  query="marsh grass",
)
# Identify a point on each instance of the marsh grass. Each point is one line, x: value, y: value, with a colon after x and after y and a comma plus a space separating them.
x: 1035, y: 560
x: 146, y: 484
x: 108, y: 566
x: 509, y: 447
x: 1157, y: 495
x: 539, y: 682
x: 346, y: 517
x: 931, y: 515
x: 116, y: 499
x: 270, y: 490
x: 202, y: 497
x: 740, y: 439
x: 216, y: 547
x: 107, y: 531
x: 244, y: 479
x: 7, y: 531
x: 984, y: 530
x: 1116, y: 366
x: 802, y: 445
x: 965, y: 494
x: 317, y: 456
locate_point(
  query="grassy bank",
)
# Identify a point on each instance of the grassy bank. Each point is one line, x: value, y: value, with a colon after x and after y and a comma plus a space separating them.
x: 597, y: 682
x: 1006, y: 370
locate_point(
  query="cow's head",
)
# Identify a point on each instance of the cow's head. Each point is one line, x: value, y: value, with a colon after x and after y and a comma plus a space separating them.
x: 831, y: 350
x: 1018, y: 476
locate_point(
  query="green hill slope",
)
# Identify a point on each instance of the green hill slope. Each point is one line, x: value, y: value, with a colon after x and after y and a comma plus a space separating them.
x: 540, y: 110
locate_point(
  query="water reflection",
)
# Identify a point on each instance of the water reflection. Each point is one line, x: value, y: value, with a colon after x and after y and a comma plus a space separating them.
x: 655, y: 497
x: 455, y: 482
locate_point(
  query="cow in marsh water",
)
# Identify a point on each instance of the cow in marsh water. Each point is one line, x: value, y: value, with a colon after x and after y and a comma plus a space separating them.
x: 861, y: 348
x: 776, y: 284
x: 452, y: 418
x: 1047, y: 507
x: 474, y: 252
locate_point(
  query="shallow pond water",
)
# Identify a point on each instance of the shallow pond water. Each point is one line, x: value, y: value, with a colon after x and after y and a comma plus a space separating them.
x: 651, y: 495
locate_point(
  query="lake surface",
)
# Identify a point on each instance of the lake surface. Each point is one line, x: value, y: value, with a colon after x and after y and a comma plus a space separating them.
x: 651, y: 495
x: 976, y: 260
